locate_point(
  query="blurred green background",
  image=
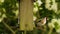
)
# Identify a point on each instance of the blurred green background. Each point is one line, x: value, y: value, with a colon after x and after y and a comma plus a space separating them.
x: 9, y: 15
x: 51, y: 10
x: 42, y: 8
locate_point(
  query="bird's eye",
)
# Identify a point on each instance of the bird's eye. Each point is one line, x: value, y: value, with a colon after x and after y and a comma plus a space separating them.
x: 39, y: 21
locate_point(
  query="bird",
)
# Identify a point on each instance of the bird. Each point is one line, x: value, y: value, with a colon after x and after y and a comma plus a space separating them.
x: 41, y: 22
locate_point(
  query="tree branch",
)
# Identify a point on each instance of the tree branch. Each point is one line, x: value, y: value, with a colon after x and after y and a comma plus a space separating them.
x: 9, y: 27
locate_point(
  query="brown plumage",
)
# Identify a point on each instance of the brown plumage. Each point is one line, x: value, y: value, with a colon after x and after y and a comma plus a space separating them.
x: 40, y: 24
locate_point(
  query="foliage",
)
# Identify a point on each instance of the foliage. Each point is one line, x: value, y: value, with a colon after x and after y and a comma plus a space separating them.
x: 8, y: 15
x: 49, y: 9
x: 42, y: 8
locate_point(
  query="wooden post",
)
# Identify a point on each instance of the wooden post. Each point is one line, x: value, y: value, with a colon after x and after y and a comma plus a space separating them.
x: 26, y: 15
